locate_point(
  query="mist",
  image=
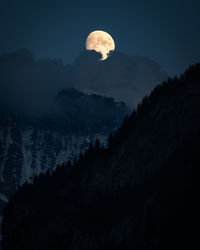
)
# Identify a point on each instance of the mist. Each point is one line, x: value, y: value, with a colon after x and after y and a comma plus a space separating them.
x: 30, y: 86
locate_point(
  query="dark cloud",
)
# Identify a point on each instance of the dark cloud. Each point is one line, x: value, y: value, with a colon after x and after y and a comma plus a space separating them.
x: 127, y: 78
x: 29, y: 85
x: 166, y: 31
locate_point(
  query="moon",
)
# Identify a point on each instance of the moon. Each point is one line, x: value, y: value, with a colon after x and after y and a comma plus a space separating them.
x: 101, y: 42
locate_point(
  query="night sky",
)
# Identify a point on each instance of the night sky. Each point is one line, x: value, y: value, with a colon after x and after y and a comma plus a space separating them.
x: 165, y: 31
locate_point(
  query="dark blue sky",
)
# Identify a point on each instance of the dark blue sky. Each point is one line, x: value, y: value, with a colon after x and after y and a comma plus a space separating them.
x: 168, y: 31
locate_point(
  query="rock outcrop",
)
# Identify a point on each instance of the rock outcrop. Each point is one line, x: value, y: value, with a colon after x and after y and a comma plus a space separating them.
x: 141, y: 192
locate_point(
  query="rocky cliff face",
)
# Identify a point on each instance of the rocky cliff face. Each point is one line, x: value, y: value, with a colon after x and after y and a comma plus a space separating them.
x: 28, y: 151
x: 139, y: 193
x: 30, y: 146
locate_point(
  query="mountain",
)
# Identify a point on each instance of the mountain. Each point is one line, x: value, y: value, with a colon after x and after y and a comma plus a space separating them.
x: 140, y: 192
x: 30, y: 145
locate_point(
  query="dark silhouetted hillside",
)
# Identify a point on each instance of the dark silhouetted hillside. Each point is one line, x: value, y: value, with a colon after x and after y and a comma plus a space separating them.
x: 30, y: 145
x: 141, y: 192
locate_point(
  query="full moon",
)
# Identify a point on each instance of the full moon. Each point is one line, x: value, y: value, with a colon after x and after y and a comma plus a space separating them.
x: 101, y: 42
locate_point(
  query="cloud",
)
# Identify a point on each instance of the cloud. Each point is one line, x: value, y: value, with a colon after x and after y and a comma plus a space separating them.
x: 30, y: 86
x: 127, y: 78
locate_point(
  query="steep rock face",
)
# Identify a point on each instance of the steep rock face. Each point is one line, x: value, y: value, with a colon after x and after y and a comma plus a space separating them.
x: 30, y: 146
x: 139, y: 193
x: 35, y: 150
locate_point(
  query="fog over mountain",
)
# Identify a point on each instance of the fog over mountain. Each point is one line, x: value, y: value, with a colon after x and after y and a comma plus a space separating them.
x: 140, y: 192
x: 127, y: 78
x: 30, y: 86
x: 31, y: 145
x: 27, y: 85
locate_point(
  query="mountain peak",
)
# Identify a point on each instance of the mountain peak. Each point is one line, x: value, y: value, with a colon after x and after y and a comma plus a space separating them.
x: 138, y: 193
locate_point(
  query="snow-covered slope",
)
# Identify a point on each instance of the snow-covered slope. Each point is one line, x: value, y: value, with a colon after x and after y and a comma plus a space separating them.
x: 35, y: 150
x: 29, y: 146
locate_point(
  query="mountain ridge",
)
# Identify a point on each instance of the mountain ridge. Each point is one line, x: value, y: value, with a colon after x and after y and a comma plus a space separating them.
x: 30, y: 145
x: 132, y: 194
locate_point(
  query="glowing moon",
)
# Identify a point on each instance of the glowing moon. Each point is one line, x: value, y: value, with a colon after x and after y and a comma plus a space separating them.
x: 101, y: 42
